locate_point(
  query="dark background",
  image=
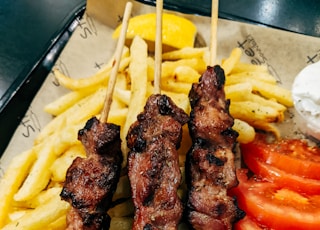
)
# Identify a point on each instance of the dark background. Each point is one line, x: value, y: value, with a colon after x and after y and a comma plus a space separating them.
x: 33, y: 33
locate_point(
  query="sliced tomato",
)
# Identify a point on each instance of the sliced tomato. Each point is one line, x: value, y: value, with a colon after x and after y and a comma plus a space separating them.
x: 293, y: 156
x: 247, y: 223
x: 275, y: 207
x: 280, y: 177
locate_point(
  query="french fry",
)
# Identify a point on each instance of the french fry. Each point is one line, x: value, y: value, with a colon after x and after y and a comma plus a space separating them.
x: 150, y: 68
x: 276, y: 92
x: 66, y: 137
x: 138, y: 75
x: 268, y: 90
x: 118, y: 116
x: 260, y: 76
x: 123, y: 189
x: 252, y: 112
x: 246, y: 67
x: 186, y: 74
x: 269, y: 127
x: 184, y: 53
x: 83, y: 110
x: 168, y: 67
x: 243, y: 92
x: 60, y: 165
x: 58, y: 224
x: 268, y: 102
x: 18, y: 213
x: 122, y: 81
x: 238, y: 92
x: 180, y: 99
x: 121, y: 84
x: 15, y: 174
x: 246, y: 132
x: 47, y: 152
x: 231, y: 61
x: 182, y: 159
x: 101, y: 77
x: 176, y: 87
x: 122, y: 95
x: 66, y: 101
x: 123, y: 209
x: 237, y: 79
x: 121, y: 223
x: 41, y: 216
x: 186, y: 141
x: 40, y: 199
x: 39, y: 175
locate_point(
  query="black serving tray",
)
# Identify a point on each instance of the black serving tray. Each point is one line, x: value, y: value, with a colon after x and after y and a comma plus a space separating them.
x: 33, y: 33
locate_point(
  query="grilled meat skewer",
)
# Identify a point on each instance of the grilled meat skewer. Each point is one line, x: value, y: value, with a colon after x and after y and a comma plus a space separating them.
x: 210, y: 168
x: 91, y: 181
x: 153, y: 165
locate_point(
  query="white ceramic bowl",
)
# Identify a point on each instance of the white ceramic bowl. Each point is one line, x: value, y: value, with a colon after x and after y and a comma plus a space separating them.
x: 306, y: 97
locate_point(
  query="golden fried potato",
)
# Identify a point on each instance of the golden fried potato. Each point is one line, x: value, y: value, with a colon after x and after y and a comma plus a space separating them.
x: 40, y: 217
x: 60, y: 165
x: 186, y: 74
x: 246, y: 131
x: 39, y: 175
x: 43, y: 197
x: 123, y: 209
x: 15, y: 174
x: 168, y: 67
x: 66, y: 101
x: 101, y: 77
x: 79, y: 112
x: 247, y: 76
x: 123, y: 189
x: 121, y: 223
x: 176, y: 87
x: 238, y: 92
x: 275, y: 92
x: 185, y: 53
x: 138, y: 72
x: 252, y: 112
x: 231, y: 61
x: 240, y: 67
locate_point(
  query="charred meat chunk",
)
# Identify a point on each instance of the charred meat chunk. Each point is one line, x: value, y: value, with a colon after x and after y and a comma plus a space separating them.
x: 210, y: 167
x: 91, y: 181
x: 153, y: 164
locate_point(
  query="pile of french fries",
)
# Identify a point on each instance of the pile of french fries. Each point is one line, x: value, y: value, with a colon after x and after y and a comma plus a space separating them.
x: 31, y: 186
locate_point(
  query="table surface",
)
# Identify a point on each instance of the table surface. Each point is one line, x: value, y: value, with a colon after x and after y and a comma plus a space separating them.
x: 33, y: 33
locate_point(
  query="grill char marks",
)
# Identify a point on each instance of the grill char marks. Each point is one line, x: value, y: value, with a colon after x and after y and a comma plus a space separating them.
x: 210, y: 168
x: 153, y: 166
x: 91, y: 181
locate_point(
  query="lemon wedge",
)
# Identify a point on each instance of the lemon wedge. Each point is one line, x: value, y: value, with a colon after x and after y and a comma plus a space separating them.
x: 177, y: 32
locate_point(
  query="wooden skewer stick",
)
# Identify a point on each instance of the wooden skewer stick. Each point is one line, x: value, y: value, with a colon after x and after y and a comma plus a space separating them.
x: 116, y: 63
x: 158, y: 48
x: 214, y: 26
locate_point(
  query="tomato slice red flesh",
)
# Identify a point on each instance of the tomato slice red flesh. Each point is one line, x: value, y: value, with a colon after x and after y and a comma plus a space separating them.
x: 247, y: 223
x: 280, y: 177
x: 293, y: 156
x: 275, y: 207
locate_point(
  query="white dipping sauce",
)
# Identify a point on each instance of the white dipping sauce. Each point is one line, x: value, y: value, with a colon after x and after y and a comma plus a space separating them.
x: 306, y: 97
